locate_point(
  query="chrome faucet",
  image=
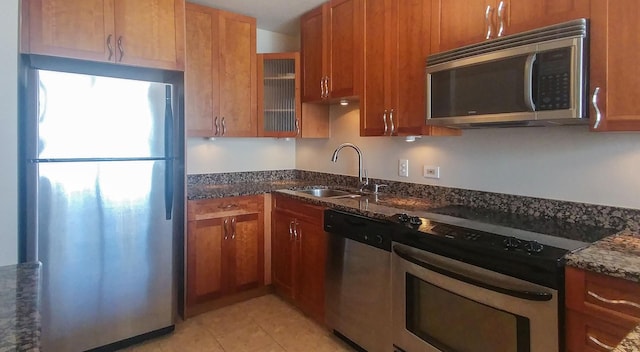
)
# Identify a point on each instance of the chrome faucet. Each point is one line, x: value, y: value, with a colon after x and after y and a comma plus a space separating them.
x: 362, y: 173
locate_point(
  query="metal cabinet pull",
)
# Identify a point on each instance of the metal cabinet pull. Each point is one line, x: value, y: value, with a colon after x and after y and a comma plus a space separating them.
x: 326, y: 87
x: 501, y: 16
x: 322, y: 87
x: 594, y: 102
x: 226, y: 229
x: 384, y: 119
x: 228, y: 206
x: 393, y: 126
x: 121, y: 48
x: 601, y: 344
x: 298, y: 128
x: 224, y: 127
x: 487, y: 20
x: 295, y: 228
x: 110, y: 47
x: 233, y: 228
x: 290, y: 230
x: 613, y: 301
x: 217, y: 126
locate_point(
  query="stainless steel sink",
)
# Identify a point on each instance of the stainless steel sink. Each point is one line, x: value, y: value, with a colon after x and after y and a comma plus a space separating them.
x: 328, y: 193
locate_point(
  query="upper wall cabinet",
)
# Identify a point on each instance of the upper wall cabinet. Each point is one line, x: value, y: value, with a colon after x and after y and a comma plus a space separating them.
x: 396, y: 43
x: 458, y: 23
x: 332, y: 53
x: 614, y: 72
x: 221, y: 74
x: 148, y: 33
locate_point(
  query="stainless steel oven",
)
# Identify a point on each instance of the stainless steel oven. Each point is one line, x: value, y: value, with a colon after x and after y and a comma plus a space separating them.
x: 441, y: 304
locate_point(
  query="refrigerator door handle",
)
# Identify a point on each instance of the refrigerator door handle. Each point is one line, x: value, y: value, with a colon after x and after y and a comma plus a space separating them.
x: 168, y: 150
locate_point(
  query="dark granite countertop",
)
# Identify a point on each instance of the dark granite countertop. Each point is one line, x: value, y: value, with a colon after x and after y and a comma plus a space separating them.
x: 19, y: 316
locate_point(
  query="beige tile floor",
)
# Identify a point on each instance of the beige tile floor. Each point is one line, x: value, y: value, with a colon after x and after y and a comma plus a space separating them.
x: 264, y: 324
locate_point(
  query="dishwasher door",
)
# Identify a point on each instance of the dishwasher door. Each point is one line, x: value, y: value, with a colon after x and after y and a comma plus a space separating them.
x: 358, y: 293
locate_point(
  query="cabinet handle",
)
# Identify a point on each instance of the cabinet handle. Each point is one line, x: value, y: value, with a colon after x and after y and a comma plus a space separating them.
x: 594, y: 102
x: 384, y: 119
x: 224, y: 127
x: 110, y: 47
x: 291, y: 230
x: 298, y: 128
x: 501, y: 7
x: 326, y: 86
x: 322, y: 94
x: 601, y: 344
x: 217, y: 126
x: 393, y: 126
x: 613, y: 301
x: 121, y: 48
x: 228, y: 206
x: 295, y: 229
x: 233, y: 228
x: 226, y: 229
x: 487, y: 20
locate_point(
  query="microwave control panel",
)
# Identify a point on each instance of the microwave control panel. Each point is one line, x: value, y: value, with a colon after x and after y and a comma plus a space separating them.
x: 554, y: 79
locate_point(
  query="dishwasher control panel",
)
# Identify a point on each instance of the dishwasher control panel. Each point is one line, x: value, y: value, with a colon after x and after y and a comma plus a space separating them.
x: 376, y: 233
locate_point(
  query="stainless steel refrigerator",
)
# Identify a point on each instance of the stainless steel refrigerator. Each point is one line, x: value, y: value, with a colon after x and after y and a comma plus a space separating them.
x: 101, y: 171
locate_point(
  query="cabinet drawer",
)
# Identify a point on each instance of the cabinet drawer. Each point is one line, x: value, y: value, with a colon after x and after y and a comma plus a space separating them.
x: 609, y: 298
x: 589, y: 334
x: 312, y: 213
x: 220, y: 207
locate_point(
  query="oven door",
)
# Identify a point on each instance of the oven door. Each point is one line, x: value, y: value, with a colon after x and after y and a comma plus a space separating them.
x: 440, y: 304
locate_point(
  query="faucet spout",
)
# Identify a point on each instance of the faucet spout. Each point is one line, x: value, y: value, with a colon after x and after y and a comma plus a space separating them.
x: 362, y: 173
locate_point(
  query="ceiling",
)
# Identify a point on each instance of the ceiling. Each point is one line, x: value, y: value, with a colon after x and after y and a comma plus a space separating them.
x: 282, y: 16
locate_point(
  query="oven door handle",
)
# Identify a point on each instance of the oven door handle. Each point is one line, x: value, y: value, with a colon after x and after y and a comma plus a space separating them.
x: 528, y: 295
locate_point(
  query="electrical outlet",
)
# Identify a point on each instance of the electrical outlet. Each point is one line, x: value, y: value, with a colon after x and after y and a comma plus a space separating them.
x: 403, y: 167
x: 431, y: 171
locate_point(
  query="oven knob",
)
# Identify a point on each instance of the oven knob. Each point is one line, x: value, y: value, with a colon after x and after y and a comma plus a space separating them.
x: 403, y: 218
x: 511, y: 243
x: 415, y: 221
x: 533, y: 247
x: 379, y: 239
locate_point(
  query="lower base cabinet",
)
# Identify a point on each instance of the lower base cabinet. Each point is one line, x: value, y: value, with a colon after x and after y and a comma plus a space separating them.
x: 225, y: 248
x: 299, y: 254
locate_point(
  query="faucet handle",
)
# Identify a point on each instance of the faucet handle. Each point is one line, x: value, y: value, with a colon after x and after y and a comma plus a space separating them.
x: 376, y: 188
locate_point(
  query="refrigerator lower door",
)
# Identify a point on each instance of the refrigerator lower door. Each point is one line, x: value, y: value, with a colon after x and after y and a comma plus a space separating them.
x: 106, y: 250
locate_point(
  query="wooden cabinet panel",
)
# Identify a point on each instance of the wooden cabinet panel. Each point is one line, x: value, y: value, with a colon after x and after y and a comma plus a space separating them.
x: 225, y: 248
x: 221, y: 79
x: 613, y: 61
x: 69, y: 28
x: 524, y: 15
x: 583, y: 331
x: 313, y: 32
x: 150, y: 33
x: 147, y: 33
x: 299, y: 254
x: 458, y: 22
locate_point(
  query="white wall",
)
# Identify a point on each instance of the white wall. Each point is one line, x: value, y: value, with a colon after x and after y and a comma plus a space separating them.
x: 566, y: 163
x: 9, y: 132
x: 245, y: 154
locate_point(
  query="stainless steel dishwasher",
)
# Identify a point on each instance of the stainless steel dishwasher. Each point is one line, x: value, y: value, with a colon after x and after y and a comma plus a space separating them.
x: 358, y: 280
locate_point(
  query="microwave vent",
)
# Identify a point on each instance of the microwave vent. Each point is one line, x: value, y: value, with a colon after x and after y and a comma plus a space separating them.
x: 572, y: 29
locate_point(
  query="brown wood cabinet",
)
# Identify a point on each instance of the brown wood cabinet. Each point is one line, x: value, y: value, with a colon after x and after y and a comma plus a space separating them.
x: 601, y: 310
x: 148, y: 33
x: 221, y: 73
x: 458, y: 23
x: 299, y: 254
x: 225, y: 247
x: 397, y: 44
x: 614, y: 65
x: 332, y: 37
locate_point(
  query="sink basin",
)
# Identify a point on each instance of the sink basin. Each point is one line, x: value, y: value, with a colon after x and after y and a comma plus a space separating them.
x: 327, y: 193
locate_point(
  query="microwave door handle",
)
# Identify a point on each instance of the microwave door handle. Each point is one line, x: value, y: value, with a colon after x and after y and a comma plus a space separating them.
x: 528, y: 295
x: 528, y: 82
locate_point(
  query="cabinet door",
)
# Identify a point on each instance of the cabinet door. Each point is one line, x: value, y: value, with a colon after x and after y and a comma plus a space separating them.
x: 312, y: 244
x: 247, y: 261
x: 459, y: 22
x: 378, y: 65
x: 238, y: 78
x: 583, y: 331
x: 346, y: 53
x: 150, y: 33
x: 205, y: 262
x: 313, y: 29
x: 201, y: 74
x: 614, y: 65
x: 282, y: 246
x: 80, y: 29
x: 524, y: 15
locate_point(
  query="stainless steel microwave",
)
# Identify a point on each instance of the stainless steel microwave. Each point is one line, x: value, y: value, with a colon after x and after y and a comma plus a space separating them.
x: 534, y: 78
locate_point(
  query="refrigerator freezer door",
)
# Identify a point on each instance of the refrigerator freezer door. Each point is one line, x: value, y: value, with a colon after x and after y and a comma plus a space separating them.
x: 106, y: 250
x: 82, y: 116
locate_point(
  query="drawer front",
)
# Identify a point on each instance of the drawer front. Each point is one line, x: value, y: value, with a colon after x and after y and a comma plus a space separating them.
x: 589, y: 334
x: 221, y: 207
x: 615, y: 299
x: 312, y: 213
